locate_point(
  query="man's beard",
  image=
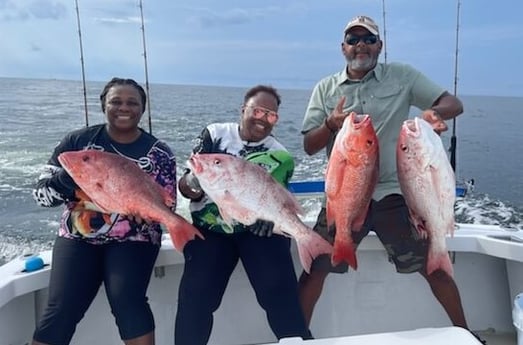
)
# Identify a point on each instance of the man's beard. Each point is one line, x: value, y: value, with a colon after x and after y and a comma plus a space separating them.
x: 362, y: 65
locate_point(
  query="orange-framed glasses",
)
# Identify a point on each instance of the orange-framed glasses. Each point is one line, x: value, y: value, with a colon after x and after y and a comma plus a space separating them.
x: 259, y: 112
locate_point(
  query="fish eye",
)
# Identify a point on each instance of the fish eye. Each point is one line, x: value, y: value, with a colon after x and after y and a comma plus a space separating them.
x: 85, y: 158
x: 217, y: 162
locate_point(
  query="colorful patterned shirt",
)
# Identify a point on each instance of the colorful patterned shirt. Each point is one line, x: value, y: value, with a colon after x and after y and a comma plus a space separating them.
x: 78, y: 222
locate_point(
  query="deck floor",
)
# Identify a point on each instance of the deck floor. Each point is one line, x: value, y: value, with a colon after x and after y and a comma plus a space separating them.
x: 494, y: 338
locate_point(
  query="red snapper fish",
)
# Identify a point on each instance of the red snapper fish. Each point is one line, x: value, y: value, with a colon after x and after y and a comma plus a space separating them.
x: 428, y: 185
x: 350, y: 179
x: 245, y: 192
x: 117, y: 185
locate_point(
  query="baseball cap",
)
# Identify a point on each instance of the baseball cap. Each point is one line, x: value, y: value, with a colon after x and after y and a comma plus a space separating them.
x: 363, y: 21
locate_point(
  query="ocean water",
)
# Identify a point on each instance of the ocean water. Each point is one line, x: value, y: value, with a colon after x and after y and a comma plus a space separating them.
x: 36, y: 114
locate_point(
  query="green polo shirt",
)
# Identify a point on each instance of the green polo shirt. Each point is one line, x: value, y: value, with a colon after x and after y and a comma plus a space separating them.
x: 386, y: 94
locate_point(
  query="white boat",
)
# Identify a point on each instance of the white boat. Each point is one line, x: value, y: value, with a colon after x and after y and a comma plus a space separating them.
x: 370, y: 306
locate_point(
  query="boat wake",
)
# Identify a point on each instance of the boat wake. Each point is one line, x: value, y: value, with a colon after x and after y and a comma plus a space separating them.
x: 12, y: 247
x: 481, y: 209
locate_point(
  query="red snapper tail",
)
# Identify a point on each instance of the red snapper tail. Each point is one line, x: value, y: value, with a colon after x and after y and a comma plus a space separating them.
x: 344, y: 250
x: 311, y: 246
x: 439, y: 261
x: 181, y: 232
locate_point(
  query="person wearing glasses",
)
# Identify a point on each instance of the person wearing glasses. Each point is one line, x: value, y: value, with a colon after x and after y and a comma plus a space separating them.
x: 386, y: 92
x: 266, y: 259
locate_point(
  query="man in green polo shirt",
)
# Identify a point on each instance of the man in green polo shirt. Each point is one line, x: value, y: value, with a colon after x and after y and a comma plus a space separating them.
x: 386, y: 92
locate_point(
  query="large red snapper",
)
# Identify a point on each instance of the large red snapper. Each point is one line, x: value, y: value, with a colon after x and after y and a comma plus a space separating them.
x: 350, y: 180
x: 117, y: 185
x: 428, y: 184
x: 244, y: 191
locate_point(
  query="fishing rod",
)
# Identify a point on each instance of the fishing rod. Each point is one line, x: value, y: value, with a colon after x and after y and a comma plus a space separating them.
x: 82, y: 61
x: 453, y: 141
x: 384, y: 32
x: 146, y: 72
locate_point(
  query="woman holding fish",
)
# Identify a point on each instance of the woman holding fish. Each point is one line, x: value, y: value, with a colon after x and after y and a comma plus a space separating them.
x: 95, y: 247
x: 267, y: 259
x: 362, y: 187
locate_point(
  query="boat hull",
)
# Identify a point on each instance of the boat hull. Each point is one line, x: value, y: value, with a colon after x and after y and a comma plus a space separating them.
x: 488, y: 265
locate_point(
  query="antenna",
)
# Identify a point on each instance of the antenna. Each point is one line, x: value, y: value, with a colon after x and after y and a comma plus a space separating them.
x: 146, y: 72
x: 457, y: 50
x: 453, y: 141
x: 82, y: 61
x: 384, y: 32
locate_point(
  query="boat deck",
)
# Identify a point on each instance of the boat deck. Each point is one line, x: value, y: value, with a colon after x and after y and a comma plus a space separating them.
x: 425, y: 336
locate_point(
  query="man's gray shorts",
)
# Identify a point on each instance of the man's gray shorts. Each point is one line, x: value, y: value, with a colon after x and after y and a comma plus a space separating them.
x: 389, y: 218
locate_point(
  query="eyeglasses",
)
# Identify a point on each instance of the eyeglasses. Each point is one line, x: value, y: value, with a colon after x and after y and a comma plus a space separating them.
x: 352, y: 40
x: 260, y: 112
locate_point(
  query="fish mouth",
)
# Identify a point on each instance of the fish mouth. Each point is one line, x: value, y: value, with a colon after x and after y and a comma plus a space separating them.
x: 411, y: 127
x: 360, y: 120
x: 195, y: 164
x: 64, y: 160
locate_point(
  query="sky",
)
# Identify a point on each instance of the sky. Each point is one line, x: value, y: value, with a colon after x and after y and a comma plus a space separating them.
x: 289, y: 44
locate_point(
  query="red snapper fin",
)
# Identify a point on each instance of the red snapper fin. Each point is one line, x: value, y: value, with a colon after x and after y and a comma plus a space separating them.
x: 181, y: 232
x: 310, y: 247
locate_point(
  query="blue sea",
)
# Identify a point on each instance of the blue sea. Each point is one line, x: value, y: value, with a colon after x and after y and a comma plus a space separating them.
x: 36, y: 114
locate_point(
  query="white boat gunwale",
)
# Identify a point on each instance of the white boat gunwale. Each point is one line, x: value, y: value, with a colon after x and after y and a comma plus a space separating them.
x: 475, y: 247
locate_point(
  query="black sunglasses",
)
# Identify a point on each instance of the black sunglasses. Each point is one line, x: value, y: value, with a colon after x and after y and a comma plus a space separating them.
x: 352, y: 40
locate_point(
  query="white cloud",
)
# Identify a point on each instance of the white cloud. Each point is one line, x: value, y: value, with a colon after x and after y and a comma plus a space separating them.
x: 28, y: 10
x: 122, y: 20
x: 209, y: 41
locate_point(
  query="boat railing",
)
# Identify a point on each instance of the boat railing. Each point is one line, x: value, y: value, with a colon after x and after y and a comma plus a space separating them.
x: 306, y: 189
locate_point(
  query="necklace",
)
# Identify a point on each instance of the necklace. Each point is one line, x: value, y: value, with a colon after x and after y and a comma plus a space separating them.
x: 143, y: 162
